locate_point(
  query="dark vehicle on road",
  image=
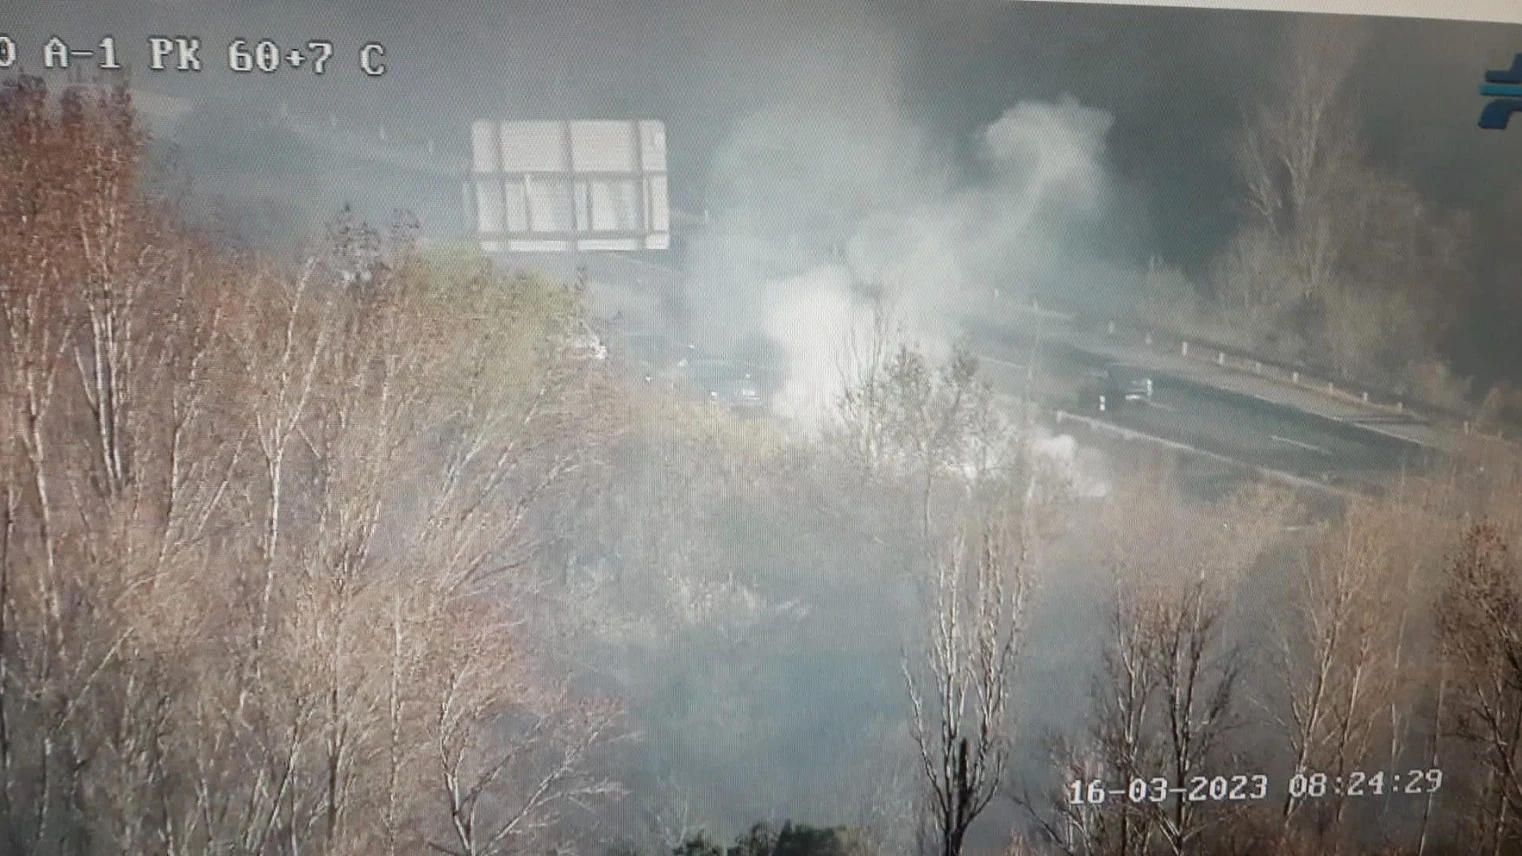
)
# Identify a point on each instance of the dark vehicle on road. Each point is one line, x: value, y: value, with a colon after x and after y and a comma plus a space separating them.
x: 1121, y: 384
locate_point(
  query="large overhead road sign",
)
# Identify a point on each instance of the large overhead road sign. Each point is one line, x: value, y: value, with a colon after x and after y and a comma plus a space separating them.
x: 566, y: 186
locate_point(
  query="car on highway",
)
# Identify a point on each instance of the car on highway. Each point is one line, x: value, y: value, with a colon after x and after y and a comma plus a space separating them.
x: 1121, y: 384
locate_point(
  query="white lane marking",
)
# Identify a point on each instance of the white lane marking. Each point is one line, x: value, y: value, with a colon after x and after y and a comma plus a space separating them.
x: 1307, y: 446
x: 1161, y: 406
x: 1301, y: 481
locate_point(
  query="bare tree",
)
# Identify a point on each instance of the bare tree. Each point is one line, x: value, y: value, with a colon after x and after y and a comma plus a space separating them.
x: 1335, y: 260
x: 1292, y: 152
x: 1120, y: 743
x: 863, y: 364
x: 1480, y: 619
x: 1332, y: 656
x: 500, y: 795
x: 962, y: 722
x: 1167, y: 696
x: 244, y: 511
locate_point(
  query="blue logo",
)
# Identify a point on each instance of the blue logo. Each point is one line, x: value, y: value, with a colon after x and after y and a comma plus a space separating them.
x: 1505, y: 88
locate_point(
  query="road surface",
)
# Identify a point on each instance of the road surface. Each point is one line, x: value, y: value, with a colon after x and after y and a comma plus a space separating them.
x: 1227, y: 424
x: 1021, y: 325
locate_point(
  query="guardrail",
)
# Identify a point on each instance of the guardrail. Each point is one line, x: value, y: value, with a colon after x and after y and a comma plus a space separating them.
x: 1224, y: 357
x: 1396, y: 407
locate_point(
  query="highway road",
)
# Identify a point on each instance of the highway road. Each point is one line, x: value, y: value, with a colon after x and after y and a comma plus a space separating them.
x: 1265, y: 436
x: 1216, y: 422
x: 1228, y: 424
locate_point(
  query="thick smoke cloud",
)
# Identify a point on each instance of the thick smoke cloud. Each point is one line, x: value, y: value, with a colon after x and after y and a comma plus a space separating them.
x: 820, y: 215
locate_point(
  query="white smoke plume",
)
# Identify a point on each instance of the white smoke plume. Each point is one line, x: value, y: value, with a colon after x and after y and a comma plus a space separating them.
x: 1082, y: 472
x: 819, y: 209
x: 810, y: 317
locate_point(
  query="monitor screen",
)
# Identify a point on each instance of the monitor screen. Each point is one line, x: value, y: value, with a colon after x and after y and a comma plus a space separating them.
x: 869, y: 427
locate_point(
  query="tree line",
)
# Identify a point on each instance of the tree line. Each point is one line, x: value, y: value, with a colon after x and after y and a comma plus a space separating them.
x: 1335, y: 261
x: 260, y: 524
